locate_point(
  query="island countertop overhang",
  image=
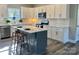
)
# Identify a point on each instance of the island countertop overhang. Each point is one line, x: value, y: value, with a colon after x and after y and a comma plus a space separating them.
x: 33, y: 29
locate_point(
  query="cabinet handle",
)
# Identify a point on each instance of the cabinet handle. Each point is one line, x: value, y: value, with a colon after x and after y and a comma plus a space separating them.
x: 59, y: 15
x: 56, y: 33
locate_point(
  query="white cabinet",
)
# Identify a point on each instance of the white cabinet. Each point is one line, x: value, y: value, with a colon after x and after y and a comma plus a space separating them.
x: 3, y: 13
x: 3, y: 10
x: 50, y: 11
x: 24, y: 12
x: 64, y: 11
x: 61, y: 11
x: 49, y: 32
x: 57, y: 11
x: 36, y: 12
x: 54, y: 11
x: 31, y: 12
x: 27, y: 12
x: 33, y: 15
x: 39, y: 10
x: 58, y: 33
x: 54, y: 33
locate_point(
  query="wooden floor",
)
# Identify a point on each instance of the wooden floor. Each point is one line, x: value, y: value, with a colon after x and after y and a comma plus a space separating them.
x: 54, y: 48
x: 58, y: 48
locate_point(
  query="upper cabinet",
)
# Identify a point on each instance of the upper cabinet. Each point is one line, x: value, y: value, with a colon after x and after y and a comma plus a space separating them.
x: 39, y: 10
x: 52, y: 11
x: 24, y: 12
x: 57, y: 11
x: 61, y: 11
x: 3, y: 11
x: 27, y: 12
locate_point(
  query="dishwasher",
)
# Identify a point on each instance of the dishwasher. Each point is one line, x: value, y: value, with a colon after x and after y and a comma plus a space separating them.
x: 4, y: 32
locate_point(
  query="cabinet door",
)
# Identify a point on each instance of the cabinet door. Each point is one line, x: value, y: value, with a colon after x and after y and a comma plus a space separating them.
x: 31, y: 12
x: 54, y: 33
x: 49, y: 32
x: 36, y: 12
x: 60, y: 11
x: 24, y: 12
x: 50, y: 11
x: 60, y: 35
x: 57, y: 34
x: 43, y: 9
x: 3, y: 10
x: 63, y: 9
x: 39, y: 9
x: 57, y: 11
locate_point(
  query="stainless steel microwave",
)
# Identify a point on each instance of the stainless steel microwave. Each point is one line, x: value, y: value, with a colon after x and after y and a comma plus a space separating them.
x: 42, y: 15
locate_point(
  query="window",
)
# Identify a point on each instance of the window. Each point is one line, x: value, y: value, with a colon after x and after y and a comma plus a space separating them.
x: 14, y: 13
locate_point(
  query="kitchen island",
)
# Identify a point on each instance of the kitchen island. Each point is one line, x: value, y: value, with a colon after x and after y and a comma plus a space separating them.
x: 35, y: 38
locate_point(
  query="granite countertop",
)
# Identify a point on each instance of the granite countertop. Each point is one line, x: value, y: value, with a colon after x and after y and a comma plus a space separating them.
x: 30, y: 29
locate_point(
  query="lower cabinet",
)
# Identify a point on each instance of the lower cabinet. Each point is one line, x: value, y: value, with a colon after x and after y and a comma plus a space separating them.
x: 49, y: 33
x: 54, y: 33
x: 58, y: 33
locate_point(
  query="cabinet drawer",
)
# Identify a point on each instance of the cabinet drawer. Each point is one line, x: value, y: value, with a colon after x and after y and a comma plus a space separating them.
x: 49, y: 33
x: 53, y: 33
x: 58, y: 34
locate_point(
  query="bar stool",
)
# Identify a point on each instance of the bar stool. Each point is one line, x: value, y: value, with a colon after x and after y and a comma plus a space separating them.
x: 25, y: 46
x: 21, y: 45
x: 14, y: 47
